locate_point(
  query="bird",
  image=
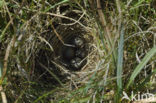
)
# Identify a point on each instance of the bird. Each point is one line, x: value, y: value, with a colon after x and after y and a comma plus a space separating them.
x: 76, y: 63
x: 78, y: 41
x: 73, y: 56
x: 68, y: 53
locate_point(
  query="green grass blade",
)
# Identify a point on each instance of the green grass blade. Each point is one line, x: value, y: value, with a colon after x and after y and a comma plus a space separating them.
x: 147, y: 79
x: 52, y: 74
x: 139, y: 3
x: 1, y: 67
x: 140, y: 66
x: 120, y: 62
x: 53, y: 6
x: 45, y: 95
x: 1, y: 3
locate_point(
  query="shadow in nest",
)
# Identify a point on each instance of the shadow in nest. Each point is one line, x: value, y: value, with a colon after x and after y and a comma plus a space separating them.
x: 73, y: 55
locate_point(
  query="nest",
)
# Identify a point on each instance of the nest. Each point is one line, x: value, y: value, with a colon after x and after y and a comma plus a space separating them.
x: 42, y: 41
x: 60, y: 35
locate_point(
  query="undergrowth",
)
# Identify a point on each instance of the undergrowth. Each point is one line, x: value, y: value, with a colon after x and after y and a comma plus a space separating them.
x: 121, y: 47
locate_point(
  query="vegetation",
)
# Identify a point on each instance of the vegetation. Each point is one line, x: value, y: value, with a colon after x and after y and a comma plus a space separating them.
x: 120, y: 42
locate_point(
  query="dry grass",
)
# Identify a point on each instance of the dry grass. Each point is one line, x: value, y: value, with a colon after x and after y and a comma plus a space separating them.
x: 118, y: 36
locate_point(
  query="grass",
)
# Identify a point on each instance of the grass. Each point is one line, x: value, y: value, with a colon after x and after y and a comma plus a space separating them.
x: 120, y: 39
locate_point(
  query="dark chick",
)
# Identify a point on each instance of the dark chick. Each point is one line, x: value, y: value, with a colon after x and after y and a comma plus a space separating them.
x: 68, y: 53
x: 80, y: 53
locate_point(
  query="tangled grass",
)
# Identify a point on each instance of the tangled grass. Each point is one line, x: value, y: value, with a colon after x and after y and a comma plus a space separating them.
x: 120, y: 39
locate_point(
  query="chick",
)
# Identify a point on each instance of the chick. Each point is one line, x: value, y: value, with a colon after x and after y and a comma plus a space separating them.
x: 80, y: 53
x: 76, y: 63
x: 78, y: 41
x: 68, y: 53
